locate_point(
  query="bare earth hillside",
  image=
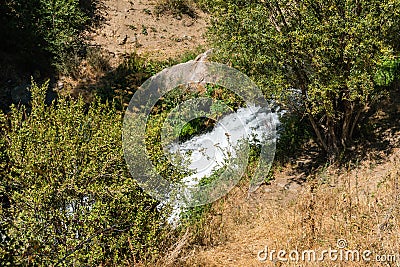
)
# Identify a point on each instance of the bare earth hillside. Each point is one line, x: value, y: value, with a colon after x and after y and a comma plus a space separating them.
x: 132, y: 25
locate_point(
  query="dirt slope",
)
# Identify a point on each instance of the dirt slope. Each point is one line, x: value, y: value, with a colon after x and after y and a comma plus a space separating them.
x: 134, y: 25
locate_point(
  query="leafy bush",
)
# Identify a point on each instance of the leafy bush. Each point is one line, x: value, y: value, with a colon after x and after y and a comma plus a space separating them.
x: 38, y: 28
x: 329, y: 50
x: 293, y: 133
x: 388, y: 72
x: 67, y: 197
x: 176, y: 7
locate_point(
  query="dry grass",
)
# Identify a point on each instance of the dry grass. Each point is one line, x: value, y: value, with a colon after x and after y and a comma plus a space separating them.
x: 88, y: 72
x: 360, y: 205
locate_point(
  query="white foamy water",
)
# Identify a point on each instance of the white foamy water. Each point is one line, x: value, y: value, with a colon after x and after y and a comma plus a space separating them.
x: 209, y: 152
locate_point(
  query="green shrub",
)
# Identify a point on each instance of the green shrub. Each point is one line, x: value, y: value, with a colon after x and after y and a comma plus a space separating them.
x: 65, y: 191
x: 293, y: 133
x: 329, y: 50
x: 176, y: 7
x: 43, y: 28
x: 388, y: 72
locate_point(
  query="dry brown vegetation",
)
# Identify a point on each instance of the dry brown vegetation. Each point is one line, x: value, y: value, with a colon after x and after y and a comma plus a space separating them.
x: 359, y: 205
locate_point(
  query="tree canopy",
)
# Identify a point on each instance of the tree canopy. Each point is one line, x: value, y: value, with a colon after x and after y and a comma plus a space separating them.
x: 330, y: 52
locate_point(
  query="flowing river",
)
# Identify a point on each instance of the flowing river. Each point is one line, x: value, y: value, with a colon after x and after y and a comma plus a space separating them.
x: 209, y: 152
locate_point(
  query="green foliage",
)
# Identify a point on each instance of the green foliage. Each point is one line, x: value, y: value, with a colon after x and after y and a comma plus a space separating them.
x: 228, y: 97
x: 60, y: 22
x: 204, y: 5
x: 121, y: 83
x: 156, y: 152
x: 176, y: 7
x: 388, y: 72
x: 293, y: 133
x: 330, y: 50
x: 44, y: 27
x: 67, y: 197
x: 222, y: 99
x: 196, y: 127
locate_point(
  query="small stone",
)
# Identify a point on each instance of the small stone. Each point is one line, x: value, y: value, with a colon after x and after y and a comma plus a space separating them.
x: 133, y: 40
x: 123, y: 40
x: 60, y: 85
x: 188, y: 23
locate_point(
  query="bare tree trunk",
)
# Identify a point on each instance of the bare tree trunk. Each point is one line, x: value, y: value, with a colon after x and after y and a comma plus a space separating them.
x: 355, y: 121
x: 346, y: 124
x: 317, y: 132
x: 333, y: 148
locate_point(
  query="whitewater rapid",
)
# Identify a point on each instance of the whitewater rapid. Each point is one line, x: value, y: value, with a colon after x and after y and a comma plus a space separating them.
x: 209, y: 152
